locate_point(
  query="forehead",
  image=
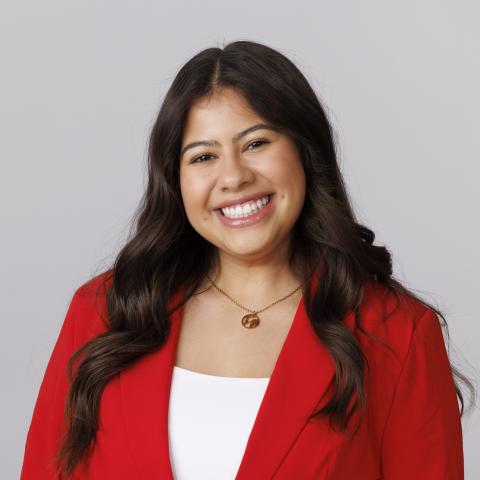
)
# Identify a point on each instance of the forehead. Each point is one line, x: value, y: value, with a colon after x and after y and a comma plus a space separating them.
x: 224, y: 111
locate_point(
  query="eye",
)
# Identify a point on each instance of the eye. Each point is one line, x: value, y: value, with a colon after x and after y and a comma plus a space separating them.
x: 261, y: 141
x: 197, y: 159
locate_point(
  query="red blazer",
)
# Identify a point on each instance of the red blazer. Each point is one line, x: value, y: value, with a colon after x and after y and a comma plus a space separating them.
x: 412, y: 428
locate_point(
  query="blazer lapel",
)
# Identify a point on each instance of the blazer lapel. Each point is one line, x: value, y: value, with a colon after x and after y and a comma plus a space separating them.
x: 145, y: 394
x: 298, y: 385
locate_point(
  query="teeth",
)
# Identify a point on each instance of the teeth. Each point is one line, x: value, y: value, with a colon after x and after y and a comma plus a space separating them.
x: 245, y: 209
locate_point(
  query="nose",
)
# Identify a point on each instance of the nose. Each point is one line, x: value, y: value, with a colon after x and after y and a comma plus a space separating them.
x: 233, y: 173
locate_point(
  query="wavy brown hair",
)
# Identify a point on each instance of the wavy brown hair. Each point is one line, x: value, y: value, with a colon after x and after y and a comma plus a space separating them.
x: 164, y: 253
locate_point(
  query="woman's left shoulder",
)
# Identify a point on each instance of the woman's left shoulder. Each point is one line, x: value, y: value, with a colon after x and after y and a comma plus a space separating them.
x: 395, y: 317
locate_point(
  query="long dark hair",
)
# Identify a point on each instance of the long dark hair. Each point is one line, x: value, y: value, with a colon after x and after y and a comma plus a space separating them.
x: 165, y: 253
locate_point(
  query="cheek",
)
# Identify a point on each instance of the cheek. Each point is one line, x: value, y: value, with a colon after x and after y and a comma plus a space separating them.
x: 286, y: 172
x: 292, y: 183
x: 195, y: 191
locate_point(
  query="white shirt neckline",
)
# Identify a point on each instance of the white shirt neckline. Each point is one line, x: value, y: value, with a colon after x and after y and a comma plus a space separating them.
x: 185, y: 371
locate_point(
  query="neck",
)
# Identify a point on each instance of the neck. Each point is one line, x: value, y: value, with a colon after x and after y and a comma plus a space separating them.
x: 255, y: 284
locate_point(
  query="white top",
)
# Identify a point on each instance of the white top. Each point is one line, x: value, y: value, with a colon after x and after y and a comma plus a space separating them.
x: 209, y: 421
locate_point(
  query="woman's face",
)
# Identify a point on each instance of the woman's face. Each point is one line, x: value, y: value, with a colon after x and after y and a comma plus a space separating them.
x: 237, y: 165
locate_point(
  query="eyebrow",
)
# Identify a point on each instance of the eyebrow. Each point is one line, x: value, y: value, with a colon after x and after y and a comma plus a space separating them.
x: 235, y: 138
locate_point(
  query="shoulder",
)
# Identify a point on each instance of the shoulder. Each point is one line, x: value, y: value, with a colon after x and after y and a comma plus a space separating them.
x: 395, y: 318
x: 95, y: 286
x: 87, y: 313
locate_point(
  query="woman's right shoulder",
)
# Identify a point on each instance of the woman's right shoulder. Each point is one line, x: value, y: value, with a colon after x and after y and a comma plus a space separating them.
x: 87, y: 315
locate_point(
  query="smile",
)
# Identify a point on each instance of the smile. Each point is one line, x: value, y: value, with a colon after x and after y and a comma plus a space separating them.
x: 245, y: 209
x: 247, y: 213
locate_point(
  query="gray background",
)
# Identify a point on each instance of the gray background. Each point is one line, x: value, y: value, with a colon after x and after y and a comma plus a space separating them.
x: 81, y: 83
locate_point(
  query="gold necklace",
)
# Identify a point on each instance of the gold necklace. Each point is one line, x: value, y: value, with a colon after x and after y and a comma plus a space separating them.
x: 252, y: 320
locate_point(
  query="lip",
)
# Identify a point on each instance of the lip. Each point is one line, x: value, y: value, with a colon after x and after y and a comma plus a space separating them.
x: 250, y: 220
x: 245, y: 198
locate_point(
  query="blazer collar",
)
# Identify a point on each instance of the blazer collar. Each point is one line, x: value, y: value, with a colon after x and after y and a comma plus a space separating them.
x: 298, y: 385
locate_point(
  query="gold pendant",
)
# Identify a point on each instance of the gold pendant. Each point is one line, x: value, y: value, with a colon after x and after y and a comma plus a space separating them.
x: 250, y: 320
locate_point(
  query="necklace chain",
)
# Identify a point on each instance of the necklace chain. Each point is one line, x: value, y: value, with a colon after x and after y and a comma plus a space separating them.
x: 252, y: 320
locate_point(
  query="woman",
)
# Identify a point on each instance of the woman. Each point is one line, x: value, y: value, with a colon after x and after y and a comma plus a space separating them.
x: 249, y: 329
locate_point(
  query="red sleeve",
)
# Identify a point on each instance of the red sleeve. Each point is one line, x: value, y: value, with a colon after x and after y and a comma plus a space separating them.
x: 47, y: 424
x: 423, y: 435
